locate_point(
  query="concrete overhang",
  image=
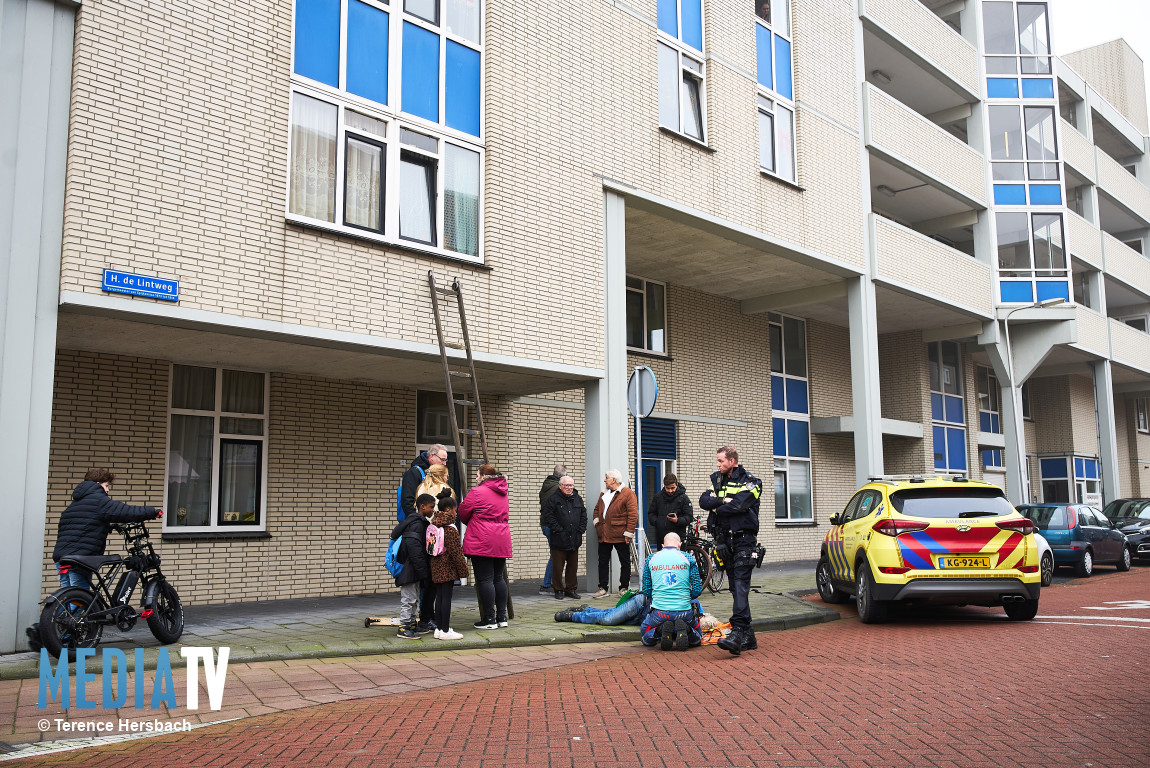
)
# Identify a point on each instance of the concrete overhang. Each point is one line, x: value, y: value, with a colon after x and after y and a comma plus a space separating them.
x: 114, y: 325
x: 991, y: 440
x: 845, y: 425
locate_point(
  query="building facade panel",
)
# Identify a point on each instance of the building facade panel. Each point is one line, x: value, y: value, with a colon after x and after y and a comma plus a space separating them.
x: 1123, y: 186
x: 1129, y: 346
x: 1077, y: 151
x: 1127, y: 264
x: 1084, y: 239
x: 927, y: 35
x: 1093, y: 331
x: 906, y: 257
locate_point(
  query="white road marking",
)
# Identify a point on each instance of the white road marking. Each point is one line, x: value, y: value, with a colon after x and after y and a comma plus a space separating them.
x: 1097, y: 618
x: 1120, y: 605
x: 1092, y: 624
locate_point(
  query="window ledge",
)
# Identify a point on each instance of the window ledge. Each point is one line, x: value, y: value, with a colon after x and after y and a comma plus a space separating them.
x: 648, y: 354
x: 389, y: 244
x: 781, y: 180
x: 684, y: 137
x: 796, y: 523
x: 221, y: 536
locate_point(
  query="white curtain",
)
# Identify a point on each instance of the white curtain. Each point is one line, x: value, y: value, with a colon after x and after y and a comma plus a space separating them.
x: 415, y: 208
x: 313, y: 149
x: 461, y: 201
x: 243, y: 392
x: 364, y: 183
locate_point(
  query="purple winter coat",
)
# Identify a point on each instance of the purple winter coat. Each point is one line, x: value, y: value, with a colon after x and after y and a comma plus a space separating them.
x: 485, y: 512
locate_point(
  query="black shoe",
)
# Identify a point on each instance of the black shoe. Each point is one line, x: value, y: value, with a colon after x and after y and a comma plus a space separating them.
x: 682, y: 638
x: 733, y: 642
x: 545, y: 590
x: 481, y: 624
x: 749, y: 641
x: 566, y: 614
x: 572, y: 595
x: 558, y: 595
x: 33, y: 633
x: 666, y: 635
x: 408, y: 632
x: 583, y: 607
x: 425, y: 627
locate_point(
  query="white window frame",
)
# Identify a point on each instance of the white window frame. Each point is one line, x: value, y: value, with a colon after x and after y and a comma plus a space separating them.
x: 666, y: 351
x: 994, y: 393
x: 771, y: 104
x: 683, y: 71
x: 391, y: 114
x: 1142, y: 415
x: 960, y: 383
x: 170, y: 513
x: 1142, y: 317
x: 786, y: 463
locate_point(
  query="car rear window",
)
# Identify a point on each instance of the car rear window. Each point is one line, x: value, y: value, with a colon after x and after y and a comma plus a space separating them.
x: 1045, y: 517
x: 951, y: 502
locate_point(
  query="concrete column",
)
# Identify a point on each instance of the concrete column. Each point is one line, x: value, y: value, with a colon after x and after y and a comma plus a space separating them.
x: 1014, y: 455
x: 864, y: 378
x: 35, y: 81
x: 1107, y: 430
x: 605, y: 414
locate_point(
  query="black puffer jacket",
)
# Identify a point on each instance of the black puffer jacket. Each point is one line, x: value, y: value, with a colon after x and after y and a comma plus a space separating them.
x: 662, y: 505
x: 410, y: 483
x: 566, y: 516
x: 84, y: 525
x: 549, y: 489
x: 413, y: 550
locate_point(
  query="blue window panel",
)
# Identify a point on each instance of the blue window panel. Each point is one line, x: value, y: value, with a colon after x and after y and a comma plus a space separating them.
x: 669, y: 17
x: 779, y: 430
x: 797, y: 396
x: 778, y: 398
x: 995, y: 423
x: 940, y: 447
x: 462, y: 88
x: 1038, y: 88
x: 659, y: 439
x: 984, y: 422
x: 956, y: 448
x: 799, y: 439
x: 317, y: 40
x: 1010, y: 194
x: 936, y: 412
x: 1045, y: 194
x: 420, y: 88
x: 1016, y: 293
x: 783, y: 68
x: 1001, y: 88
x: 1091, y: 469
x: 1079, y: 470
x: 1053, y: 290
x: 954, y: 410
x: 763, y: 52
x: 693, y: 23
x: 367, y: 51
x: 1052, y: 468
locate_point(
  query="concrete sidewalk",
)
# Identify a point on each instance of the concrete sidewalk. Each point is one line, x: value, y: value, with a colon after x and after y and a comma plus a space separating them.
x: 332, y: 627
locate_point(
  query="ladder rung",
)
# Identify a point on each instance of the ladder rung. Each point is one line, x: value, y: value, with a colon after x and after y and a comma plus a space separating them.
x: 469, y: 431
x: 465, y: 403
x: 445, y: 291
x: 453, y: 345
x: 461, y: 374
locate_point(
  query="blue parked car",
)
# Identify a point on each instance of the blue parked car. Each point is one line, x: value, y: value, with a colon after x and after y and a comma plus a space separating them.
x: 1080, y: 536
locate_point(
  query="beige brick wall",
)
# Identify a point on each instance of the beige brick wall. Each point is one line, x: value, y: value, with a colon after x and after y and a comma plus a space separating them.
x: 911, y: 258
x: 904, y: 385
x: 1133, y: 450
x: 1117, y: 72
x: 918, y: 27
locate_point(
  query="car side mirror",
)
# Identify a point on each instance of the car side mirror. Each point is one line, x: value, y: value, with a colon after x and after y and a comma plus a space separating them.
x: 836, y: 520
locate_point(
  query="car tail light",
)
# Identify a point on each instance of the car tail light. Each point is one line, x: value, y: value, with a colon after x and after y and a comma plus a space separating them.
x: 892, y: 569
x: 1028, y: 568
x: 892, y: 527
x: 1023, y: 526
x: 1071, y: 519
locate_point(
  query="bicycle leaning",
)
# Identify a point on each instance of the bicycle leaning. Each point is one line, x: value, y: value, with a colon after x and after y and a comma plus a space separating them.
x: 75, y: 617
x: 712, y: 569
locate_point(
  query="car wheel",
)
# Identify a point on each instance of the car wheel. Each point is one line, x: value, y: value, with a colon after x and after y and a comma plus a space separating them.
x: 827, y: 590
x: 1125, y: 560
x: 871, y: 611
x: 1047, y: 568
x: 1086, y: 564
x: 1024, y: 611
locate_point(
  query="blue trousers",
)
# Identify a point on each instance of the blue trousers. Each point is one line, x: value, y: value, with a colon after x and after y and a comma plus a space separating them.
x: 627, y: 613
x: 547, y: 570
x: 653, y: 623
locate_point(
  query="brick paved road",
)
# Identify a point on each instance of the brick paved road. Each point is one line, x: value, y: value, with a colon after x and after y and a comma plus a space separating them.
x: 960, y: 688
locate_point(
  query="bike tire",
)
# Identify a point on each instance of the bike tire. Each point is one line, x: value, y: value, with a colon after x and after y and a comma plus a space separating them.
x: 57, y: 635
x: 718, y: 576
x: 167, y: 619
x: 702, y: 559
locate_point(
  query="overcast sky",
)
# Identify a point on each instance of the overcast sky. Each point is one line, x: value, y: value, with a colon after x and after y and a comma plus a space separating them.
x: 1078, y: 24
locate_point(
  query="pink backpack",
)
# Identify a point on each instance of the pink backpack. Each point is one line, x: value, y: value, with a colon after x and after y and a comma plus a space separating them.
x: 434, y: 540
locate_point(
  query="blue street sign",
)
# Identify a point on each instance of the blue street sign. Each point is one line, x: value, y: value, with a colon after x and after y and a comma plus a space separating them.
x: 141, y: 285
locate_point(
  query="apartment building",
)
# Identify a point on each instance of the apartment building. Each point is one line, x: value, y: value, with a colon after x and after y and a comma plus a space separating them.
x: 849, y: 237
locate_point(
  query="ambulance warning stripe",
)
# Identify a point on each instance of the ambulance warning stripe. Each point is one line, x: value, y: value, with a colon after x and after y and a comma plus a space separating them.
x: 916, y: 548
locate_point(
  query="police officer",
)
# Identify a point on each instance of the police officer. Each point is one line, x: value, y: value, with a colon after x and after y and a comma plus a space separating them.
x: 733, y: 503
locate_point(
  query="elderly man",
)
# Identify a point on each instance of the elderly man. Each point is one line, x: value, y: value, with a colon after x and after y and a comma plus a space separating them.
x: 616, y: 518
x: 408, y: 486
x: 565, y: 515
x: 550, y: 486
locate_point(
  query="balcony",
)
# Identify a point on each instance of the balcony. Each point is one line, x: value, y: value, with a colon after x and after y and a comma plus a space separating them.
x: 1118, y: 183
x: 1127, y: 265
x: 916, y: 144
x: 1084, y: 239
x: 1093, y: 335
x: 1077, y: 151
x: 914, y: 28
x: 912, y: 262
x: 1129, y: 347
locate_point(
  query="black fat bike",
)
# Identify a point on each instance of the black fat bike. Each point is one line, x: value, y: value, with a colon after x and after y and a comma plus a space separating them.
x: 75, y: 617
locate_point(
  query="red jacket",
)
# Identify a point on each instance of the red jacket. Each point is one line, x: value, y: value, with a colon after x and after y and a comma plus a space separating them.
x: 484, y: 510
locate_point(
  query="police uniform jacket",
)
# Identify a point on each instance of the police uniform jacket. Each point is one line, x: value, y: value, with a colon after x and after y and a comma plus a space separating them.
x: 735, y: 505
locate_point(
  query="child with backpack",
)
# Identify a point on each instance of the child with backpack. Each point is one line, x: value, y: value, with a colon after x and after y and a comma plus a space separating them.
x: 416, y: 570
x: 447, y: 564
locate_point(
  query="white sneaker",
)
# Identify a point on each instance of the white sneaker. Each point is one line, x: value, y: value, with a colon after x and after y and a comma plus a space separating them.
x: 450, y: 634
x: 437, y: 635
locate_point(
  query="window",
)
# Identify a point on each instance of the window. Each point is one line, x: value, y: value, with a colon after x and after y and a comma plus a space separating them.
x: 682, y: 91
x: 1141, y: 419
x: 776, y: 108
x: 947, y: 410
x: 1137, y: 322
x: 646, y: 315
x: 386, y: 128
x: 1003, y: 46
x: 217, y: 449
x: 992, y: 458
x: 791, y: 427
x: 1017, y: 155
x: 989, y: 413
x: 1031, y: 247
x: 1026, y: 402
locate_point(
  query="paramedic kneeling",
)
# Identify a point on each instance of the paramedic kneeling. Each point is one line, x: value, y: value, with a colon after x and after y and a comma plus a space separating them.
x: 671, y: 581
